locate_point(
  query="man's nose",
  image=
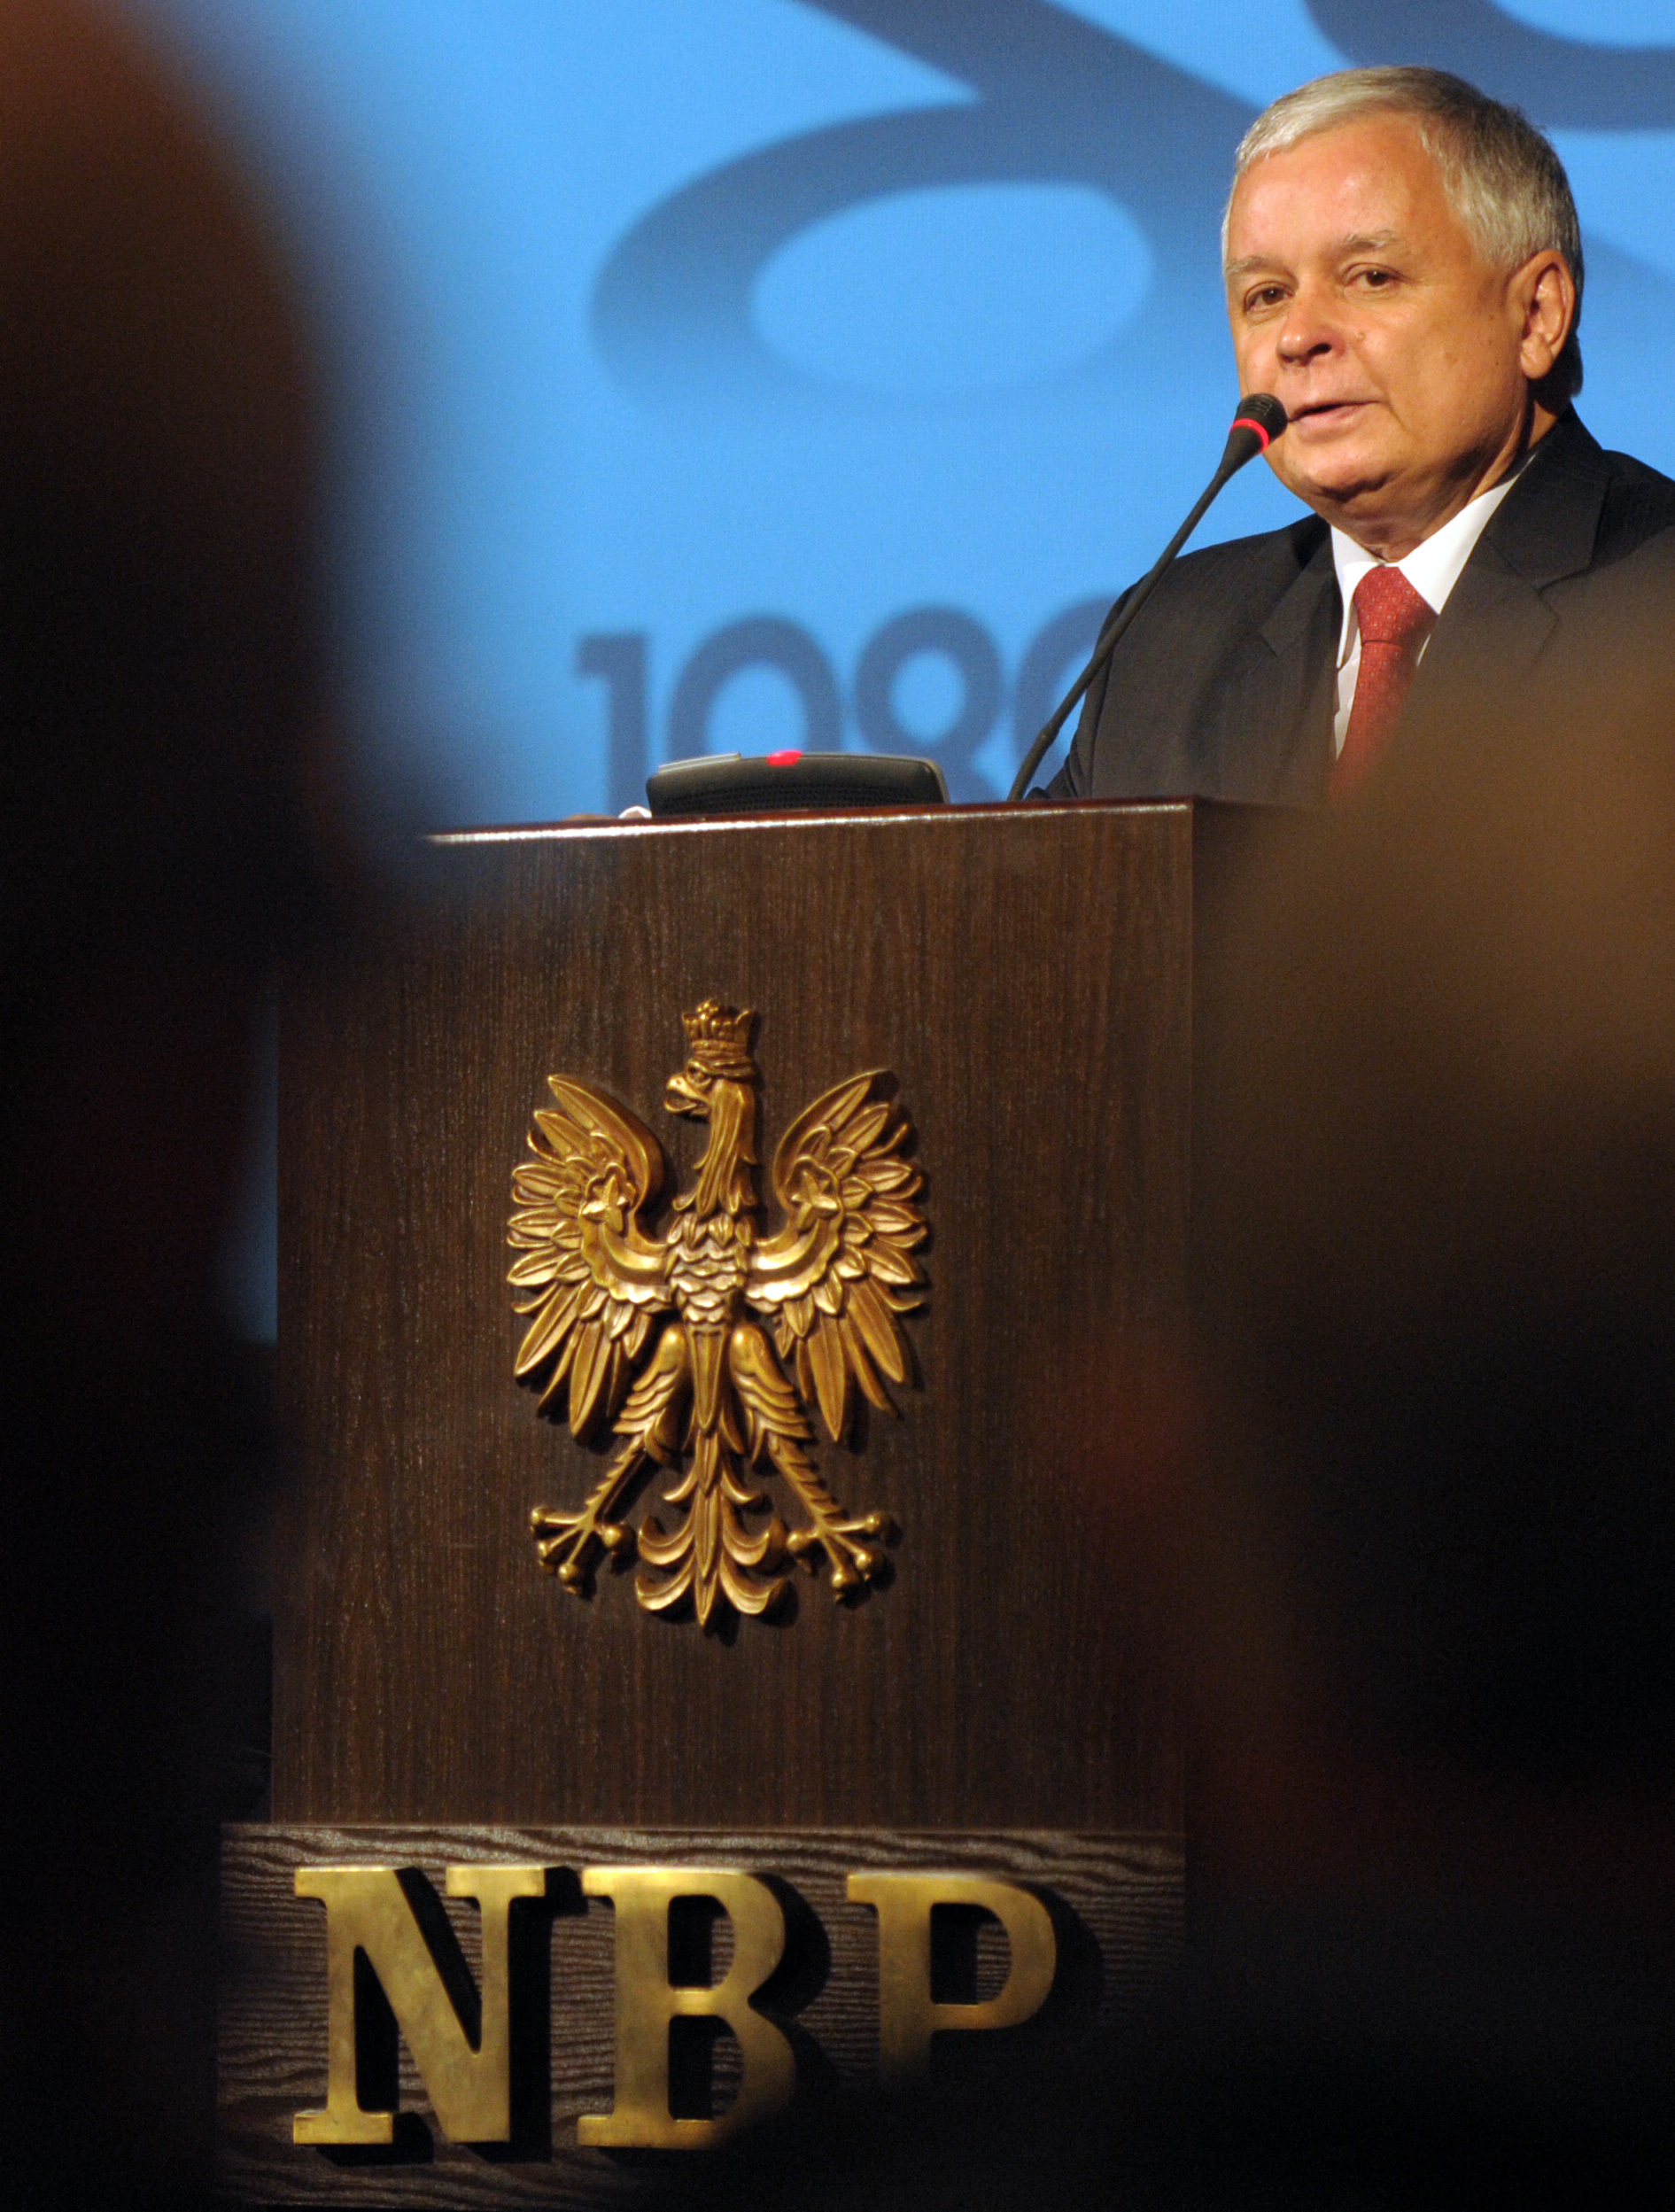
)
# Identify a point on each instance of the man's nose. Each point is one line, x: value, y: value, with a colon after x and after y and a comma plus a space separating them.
x: 1310, y: 329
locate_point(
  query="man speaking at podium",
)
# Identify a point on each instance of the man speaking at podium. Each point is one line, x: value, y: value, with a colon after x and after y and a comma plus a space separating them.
x: 1404, y: 273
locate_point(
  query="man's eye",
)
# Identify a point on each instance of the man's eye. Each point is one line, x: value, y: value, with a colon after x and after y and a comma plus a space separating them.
x: 1374, y: 279
x: 1264, y: 296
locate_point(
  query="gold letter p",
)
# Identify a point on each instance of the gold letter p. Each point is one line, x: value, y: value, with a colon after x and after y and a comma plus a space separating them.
x: 908, y: 2016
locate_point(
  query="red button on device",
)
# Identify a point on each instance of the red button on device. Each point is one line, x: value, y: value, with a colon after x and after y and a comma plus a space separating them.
x: 782, y: 760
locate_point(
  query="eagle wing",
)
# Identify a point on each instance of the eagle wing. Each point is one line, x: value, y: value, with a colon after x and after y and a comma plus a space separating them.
x: 594, y: 1280
x: 835, y: 1276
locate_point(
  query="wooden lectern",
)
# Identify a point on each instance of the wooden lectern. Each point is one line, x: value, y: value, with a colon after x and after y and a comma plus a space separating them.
x: 488, y: 1784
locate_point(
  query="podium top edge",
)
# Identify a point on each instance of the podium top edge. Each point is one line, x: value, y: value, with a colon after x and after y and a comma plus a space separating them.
x: 609, y: 825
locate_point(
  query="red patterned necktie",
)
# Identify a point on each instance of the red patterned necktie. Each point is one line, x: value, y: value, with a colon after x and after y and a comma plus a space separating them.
x: 1393, y: 621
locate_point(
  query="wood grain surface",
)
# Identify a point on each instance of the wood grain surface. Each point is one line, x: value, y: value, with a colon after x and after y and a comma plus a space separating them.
x: 1116, y: 1900
x: 1026, y: 974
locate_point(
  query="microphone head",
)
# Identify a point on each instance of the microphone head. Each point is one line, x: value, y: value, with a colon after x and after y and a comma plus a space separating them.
x: 1258, y: 421
x: 1264, y: 413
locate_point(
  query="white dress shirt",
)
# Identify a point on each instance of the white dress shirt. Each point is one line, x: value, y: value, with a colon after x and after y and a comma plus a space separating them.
x: 1433, y: 568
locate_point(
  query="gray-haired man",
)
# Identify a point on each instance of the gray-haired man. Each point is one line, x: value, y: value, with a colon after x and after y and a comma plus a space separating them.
x: 1404, y: 271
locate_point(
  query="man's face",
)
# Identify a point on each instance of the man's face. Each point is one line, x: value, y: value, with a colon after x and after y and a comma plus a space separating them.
x: 1358, y: 298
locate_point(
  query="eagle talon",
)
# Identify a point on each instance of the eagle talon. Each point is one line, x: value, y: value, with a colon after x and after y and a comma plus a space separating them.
x: 852, y: 1562
x: 571, y: 1543
x: 568, y: 1545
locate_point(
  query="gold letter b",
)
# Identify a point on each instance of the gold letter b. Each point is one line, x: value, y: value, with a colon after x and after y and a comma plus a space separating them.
x: 647, y: 2001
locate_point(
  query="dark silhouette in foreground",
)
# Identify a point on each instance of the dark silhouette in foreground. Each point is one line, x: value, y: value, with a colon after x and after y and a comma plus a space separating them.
x: 1433, y: 1594
x: 160, y: 775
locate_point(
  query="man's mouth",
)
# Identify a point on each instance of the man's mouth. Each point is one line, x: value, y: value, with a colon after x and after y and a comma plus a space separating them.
x: 1327, y: 413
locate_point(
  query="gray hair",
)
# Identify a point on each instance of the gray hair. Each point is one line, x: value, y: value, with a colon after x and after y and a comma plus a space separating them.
x: 1502, y: 175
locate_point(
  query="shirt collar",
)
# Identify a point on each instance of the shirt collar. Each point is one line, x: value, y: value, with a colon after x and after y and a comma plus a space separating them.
x: 1434, y: 568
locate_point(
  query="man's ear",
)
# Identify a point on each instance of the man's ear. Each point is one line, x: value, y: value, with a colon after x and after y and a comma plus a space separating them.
x: 1543, y: 291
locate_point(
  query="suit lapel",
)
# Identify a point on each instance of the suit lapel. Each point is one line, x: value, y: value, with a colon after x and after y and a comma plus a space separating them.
x: 1497, y: 621
x: 1284, y: 704
x: 1494, y: 626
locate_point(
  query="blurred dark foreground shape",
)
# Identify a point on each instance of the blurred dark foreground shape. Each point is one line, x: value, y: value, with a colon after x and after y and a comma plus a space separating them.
x: 158, y: 711
x: 1432, y: 1601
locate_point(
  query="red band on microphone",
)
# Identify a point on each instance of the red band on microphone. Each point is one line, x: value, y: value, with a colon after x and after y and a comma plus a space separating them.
x: 1243, y: 422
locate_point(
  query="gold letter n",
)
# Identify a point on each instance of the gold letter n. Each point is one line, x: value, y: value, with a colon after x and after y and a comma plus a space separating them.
x: 367, y: 1911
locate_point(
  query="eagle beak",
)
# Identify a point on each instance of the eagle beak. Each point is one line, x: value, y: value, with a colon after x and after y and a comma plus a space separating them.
x: 684, y: 1096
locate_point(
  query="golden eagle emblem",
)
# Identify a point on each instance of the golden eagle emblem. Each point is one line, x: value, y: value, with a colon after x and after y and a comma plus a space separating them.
x: 608, y: 1301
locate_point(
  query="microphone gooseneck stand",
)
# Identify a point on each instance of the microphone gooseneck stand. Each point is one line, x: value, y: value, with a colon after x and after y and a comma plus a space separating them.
x: 1260, y: 419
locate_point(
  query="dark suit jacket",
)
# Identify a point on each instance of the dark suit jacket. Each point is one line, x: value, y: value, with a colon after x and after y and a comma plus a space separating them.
x: 1225, y: 686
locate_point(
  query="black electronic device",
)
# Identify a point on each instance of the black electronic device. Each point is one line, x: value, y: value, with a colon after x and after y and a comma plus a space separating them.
x: 772, y: 783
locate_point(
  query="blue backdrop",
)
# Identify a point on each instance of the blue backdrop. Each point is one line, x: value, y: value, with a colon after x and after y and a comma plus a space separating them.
x: 715, y: 374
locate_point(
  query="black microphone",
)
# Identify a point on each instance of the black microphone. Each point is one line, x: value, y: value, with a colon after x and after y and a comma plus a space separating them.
x: 1260, y: 419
